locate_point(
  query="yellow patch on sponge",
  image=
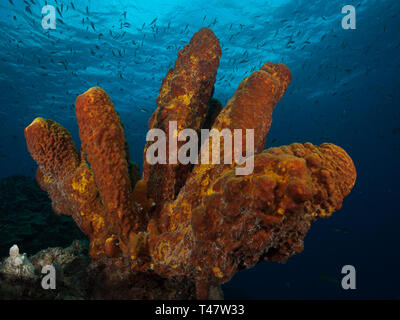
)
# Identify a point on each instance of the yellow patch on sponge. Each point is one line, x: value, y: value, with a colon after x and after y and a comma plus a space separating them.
x: 80, y: 184
x: 217, y: 272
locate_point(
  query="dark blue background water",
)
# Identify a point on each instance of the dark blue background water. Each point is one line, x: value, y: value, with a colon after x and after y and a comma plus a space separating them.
x: 345, y: 90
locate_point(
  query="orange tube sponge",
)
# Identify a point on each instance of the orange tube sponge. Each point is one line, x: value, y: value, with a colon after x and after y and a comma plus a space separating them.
x: 103, y: 141
x: 238, y: 220
x: 204, y: 222
x: 194, y: 225
x: 66, y: 178
x: 254, y: 101
x: 184, y: 97
x: 52, y: 148
x: 99, y: 198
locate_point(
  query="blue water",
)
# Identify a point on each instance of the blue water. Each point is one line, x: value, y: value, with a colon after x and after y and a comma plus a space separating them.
x: 344, y: 90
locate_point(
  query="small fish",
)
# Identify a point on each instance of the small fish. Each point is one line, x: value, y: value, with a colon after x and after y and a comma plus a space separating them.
x: 27, y: 9
x: 331, y: 279
x: 144, y: 110
x: 396, y: 131
x: 341, y: 230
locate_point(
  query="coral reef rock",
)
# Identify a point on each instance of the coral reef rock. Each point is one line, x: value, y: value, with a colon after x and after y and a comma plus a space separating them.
x: 71, y: 266
x: 17, y: 265
x: 199, y: 222
x: 78, y: 278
